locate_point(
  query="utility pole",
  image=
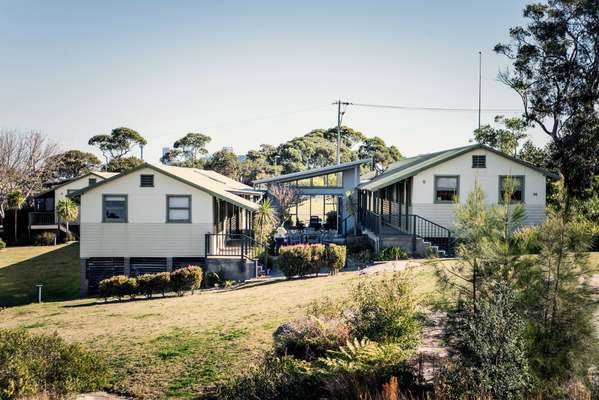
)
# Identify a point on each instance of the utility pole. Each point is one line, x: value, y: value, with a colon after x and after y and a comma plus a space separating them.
x: 479, y: 84
x: 339, y: 119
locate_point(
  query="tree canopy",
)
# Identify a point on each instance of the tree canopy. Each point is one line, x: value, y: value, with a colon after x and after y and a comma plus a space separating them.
x: 555, y: 71
x: 511, y: 137
x: 118, y: 143
x: 120, y: 164
x: 188, y: 151
x: 224, y: 162
x: 317, y: 148
x: 74, y: 163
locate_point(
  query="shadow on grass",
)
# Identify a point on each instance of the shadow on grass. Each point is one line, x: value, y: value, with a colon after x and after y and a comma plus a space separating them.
x: 57, y: 270
x: 98, y: 301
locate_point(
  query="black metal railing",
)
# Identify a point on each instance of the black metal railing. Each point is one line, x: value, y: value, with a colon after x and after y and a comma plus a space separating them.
x: 409, y: 224
x: 432, y: 232
x: 232, y: 245
x: 371, y: 221
x: 42, y: 218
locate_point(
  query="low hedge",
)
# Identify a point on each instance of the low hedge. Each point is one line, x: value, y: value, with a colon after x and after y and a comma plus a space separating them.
x: 334, y: 257
x: 187, y: 278
x: 301, y: 260
x: 2, y: 244
x: 179, y: 281
x: 295, y: 260
x: 118, y: 286
x: 45, y: 366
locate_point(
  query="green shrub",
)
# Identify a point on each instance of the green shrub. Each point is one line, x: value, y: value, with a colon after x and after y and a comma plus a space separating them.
x: 384, y: 310
x: 2, y: 244
x: 317, y: 259
x: 334, y: 257
x: 357, y: 244
x: 492, y: 350
x: 118, y: 286
x: 392, y: 254
x: 274, y: 378
x: 295, y: 260
x: 310, y: 337
x: 45, y: 239
x: 146, y: 285
x: 363, y: 366
x: 162, y: 282
x: 187, y: 278
x: 38, y: 365
x: 70, y: 237
x: 213, y: 279
x: 364, y: 256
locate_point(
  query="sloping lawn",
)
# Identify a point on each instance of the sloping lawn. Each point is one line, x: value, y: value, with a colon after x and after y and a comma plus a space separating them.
x: 178, y: 346
x: 55, y: 267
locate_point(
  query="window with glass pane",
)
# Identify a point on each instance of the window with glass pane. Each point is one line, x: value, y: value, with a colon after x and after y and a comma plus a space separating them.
x: 304, y: 182
x: 446, y: 188
x: 513, y: 184
x: 178, y: 208
x: 114, y: 208
x: 319, y: 181
x: 335, y: 180
x: 330, y: 212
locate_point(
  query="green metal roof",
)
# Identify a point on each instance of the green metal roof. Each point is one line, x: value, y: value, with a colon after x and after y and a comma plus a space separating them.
x: 411, y: 166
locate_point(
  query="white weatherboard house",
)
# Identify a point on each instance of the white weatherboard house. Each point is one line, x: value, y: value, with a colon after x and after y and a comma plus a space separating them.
x: 412, y: 202
x: 156, y: 217
x: 44, y: 216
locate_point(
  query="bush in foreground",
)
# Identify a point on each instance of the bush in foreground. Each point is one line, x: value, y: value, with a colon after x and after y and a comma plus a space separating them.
x: 309, y: 338
x: 2, y: 244
x: 384, y: 310
x: 38, y: 365
x: 320, y: 357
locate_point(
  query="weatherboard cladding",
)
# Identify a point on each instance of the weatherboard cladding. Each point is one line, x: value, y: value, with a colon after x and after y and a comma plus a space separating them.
x: 212, y: 183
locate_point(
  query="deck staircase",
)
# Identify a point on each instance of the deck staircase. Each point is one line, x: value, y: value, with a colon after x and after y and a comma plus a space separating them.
x: 414, y: 233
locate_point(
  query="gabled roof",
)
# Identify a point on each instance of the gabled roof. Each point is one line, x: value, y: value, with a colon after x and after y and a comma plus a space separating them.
x: 313, y: 172
x: 411, y: 166
x: 191, y: 176
x: 100, y: 174
x: 225, y: 180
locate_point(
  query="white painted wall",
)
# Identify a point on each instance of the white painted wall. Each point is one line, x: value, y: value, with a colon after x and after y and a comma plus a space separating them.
x: 146, y: 234
x: 443, y: 214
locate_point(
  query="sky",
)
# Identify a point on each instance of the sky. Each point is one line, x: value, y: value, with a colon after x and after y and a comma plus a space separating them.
x: 247, y: 73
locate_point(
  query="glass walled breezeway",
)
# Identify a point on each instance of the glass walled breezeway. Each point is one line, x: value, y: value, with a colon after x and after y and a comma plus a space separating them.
x: 315, y: 211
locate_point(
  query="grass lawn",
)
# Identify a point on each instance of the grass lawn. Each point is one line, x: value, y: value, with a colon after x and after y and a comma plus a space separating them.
x: 177, y: 346
x: 55, y: 267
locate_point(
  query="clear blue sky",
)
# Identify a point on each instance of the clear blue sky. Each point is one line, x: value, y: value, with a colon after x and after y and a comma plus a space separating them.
x: 248, y: 73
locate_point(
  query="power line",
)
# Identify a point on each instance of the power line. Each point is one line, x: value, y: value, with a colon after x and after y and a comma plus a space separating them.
x: 442, y: 109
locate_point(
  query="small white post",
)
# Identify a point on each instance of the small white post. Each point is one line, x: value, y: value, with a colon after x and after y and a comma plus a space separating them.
x: 39, y: 293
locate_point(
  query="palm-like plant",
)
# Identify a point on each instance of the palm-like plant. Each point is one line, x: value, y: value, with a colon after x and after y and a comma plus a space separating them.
x: 16, y: 201
x: 67, y: 211
x: 265, y: 220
